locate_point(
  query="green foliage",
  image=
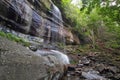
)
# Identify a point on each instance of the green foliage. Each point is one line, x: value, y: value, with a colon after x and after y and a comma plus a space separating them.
x: 14, y: 38
x: 61, y: 45
x: 96, y: 21
x: 113, y: 44
x: 73, y: 62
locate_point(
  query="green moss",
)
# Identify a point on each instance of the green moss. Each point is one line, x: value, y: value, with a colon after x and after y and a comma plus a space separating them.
x: 46, y: 3
x: 14, y: 38
x: 2, y: 34
x: 112, y: 44
x: 73, y: 62
x: 61, y: 45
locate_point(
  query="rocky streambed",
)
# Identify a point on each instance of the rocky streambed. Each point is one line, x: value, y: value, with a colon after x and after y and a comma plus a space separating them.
x: 93, y: 66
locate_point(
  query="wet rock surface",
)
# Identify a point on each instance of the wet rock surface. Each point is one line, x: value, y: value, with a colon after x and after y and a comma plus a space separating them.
x: 39, y: 18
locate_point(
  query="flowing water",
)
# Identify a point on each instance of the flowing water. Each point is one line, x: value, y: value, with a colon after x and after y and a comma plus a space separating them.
x: 59, y: 55
x: 54, y: 27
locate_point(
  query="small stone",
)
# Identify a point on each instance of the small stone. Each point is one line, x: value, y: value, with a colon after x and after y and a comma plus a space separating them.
x: 80, y: 61
x: 72, y: 73
x: 80, y: 65
x: 78, y: 69
x: 71, y: 68
x: 33, y: 48
x: 78, y: 72
x: 100, y: 67
x: 85, y: 61
x: 91, y: 76
x: 117, y: 77
x: 113, y: 69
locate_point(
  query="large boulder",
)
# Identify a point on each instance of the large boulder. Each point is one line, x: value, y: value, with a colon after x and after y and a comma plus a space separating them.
x: 19, y: 63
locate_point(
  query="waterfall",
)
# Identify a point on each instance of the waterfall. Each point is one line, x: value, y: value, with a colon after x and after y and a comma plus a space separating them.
x: 59, y: 55
x: 55, y: 25
x: 56, y: 13
x: 54, y: 33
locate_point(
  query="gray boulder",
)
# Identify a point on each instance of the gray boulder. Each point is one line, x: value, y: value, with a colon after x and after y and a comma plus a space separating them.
x: 19, y: 63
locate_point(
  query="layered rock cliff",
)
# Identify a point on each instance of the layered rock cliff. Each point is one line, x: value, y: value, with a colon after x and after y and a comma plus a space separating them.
x: 39, y: 18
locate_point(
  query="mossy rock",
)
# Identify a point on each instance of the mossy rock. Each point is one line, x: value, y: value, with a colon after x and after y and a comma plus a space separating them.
x: 14, y: 38
x: 47, y: 3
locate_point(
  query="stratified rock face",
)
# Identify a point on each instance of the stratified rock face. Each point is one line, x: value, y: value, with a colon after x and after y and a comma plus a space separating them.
x: 16, y: 13
x: 18, y: 63
x: 36, y: 26
x: 35, y: 17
